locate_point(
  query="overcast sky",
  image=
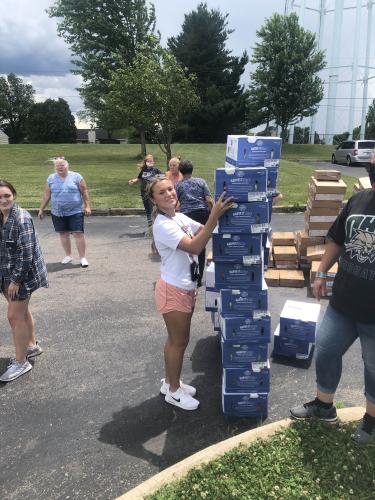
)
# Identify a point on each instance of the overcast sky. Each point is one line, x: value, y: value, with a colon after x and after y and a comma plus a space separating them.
x: 31, y: 48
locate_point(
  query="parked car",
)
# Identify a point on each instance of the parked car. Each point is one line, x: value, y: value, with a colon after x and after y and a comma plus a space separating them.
x: 353, y: 152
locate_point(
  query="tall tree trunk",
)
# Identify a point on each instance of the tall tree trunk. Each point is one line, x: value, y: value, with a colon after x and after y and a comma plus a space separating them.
x: 143, y: 142
x: 168, y: 148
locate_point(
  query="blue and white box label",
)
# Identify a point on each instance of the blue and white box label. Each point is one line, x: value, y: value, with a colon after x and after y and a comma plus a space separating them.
x: 251, y: 151
x: 242, y: 184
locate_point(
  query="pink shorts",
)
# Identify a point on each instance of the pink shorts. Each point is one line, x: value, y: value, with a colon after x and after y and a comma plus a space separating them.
x: 170, y: 298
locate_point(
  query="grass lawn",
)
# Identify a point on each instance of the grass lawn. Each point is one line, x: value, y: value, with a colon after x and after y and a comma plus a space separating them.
x: 107, y: 168
x: 309, y: 460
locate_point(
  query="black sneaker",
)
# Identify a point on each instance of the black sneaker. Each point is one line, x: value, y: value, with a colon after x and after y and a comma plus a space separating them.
x: 365, y: 432
x: 312, y: 409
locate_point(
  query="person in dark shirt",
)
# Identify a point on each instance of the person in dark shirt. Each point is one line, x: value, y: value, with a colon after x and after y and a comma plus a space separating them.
x: 195, y: 202
x: 146, y: 175
x: 351, y: 312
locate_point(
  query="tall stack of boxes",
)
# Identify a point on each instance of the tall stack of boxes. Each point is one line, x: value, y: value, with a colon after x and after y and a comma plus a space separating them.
x: 326, y: 194
x: 295, y: 335
x: 240, y: 252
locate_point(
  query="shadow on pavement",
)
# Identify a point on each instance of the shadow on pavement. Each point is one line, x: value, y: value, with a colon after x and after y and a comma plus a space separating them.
x: 294, y: 363
x: 54, y: 267
x: 162, y: 434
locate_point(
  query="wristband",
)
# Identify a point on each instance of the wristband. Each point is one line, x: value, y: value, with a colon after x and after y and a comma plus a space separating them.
x: 320, y: 274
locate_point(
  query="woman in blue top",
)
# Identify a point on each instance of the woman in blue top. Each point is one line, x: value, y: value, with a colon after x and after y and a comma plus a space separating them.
x: 70, y: 200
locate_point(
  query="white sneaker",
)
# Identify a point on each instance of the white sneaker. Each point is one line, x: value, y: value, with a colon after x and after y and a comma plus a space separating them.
x: 84, y: 262
x: 66, y: 260
x: 181, y: 399
x: 188, y: 389
x: 15, y: 370
x: 33, y: 350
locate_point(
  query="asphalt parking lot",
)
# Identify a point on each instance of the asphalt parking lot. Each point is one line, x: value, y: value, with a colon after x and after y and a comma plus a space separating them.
x: 88, y: 421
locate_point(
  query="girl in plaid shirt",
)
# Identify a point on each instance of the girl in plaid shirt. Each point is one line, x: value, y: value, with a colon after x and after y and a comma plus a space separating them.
x: 22, y: 271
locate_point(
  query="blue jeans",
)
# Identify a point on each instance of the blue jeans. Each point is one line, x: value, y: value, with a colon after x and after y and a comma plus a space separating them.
x: 147, y: 203
x: 69, y: 223
x: 335, y: 335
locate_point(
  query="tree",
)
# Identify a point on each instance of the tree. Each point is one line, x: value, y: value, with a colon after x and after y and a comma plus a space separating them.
x: 337, y: 138
x: 370, y: 122
x: 285, y: 81
x: 356, y: 133
x: 51, y: 122
x: 301, y: 135
x: 16, y: 97
x: 201, y: 48
x: 103, y: 36
x: 153, y: 95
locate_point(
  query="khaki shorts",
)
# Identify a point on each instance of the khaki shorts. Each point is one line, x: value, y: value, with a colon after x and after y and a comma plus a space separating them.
x: 170, y: 298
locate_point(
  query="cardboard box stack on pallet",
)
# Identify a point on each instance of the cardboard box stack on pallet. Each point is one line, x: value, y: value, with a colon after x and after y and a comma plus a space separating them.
x: 295, y: 334
x: 361, y: 184
x: 236, y: 276
x: 326, y: 194
x: 284, y: 268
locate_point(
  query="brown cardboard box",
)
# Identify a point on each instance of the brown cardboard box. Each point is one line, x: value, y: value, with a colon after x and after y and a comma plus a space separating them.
x: 281, y: 238
x: 272, y: 277
x: 317, y: 232
x: 328, y: 187
x: 303, y: 240
x: 284, y: 253
x: 320, y: 218
x: 287, y: 264
x: 327, y: 175
x: 270, y: 258
x: 314, y: 203
x: 316, y: 225
x: 322, y: 211
x: 364, y: 183
x: 315, y: 266
x: 315, y: 252
x: 331, y: 276
x: 209, y: 258
x: 293, y: 279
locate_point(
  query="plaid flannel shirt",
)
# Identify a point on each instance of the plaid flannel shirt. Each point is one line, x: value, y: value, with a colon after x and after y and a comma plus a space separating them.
x: 21, y: 259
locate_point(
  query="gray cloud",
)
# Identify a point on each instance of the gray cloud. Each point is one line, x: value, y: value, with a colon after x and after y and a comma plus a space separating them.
x: 29, y: 42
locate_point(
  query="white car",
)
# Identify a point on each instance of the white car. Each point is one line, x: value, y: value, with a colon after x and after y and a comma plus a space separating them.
x: 353, y: 152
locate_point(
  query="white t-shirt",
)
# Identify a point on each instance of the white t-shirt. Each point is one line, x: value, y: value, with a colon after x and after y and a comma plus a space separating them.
x: 175, y: 263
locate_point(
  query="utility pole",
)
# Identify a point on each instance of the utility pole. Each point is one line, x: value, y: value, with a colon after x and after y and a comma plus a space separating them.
x: 370, y: 4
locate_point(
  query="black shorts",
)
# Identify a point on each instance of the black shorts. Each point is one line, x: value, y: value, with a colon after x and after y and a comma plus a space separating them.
x: 69, y: 223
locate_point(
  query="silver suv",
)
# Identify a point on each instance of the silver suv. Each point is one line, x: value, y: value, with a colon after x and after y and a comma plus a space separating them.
x: 351, y: 152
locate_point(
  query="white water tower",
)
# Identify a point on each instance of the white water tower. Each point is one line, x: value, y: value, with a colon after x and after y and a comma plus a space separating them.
x: 360, y: 27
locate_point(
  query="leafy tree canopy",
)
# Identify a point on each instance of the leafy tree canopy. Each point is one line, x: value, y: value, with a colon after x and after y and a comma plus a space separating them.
x: 153, y: 96
x: 285, y: 82
x: 370, y: 122
x: 51, y: 122
x: 16, y: 98
x: 201, y: 49
x: 103, y: 36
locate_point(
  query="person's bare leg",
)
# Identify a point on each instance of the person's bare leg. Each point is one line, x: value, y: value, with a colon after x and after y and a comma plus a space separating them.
x: 178, y: 327
x: 17, y: 317
x: 65, y: 242
x: 80, y: 243
x: 31, y: 325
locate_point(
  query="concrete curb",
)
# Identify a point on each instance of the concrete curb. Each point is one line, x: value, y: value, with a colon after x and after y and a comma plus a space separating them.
x: 180, y: 469
x: 287, y: 209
